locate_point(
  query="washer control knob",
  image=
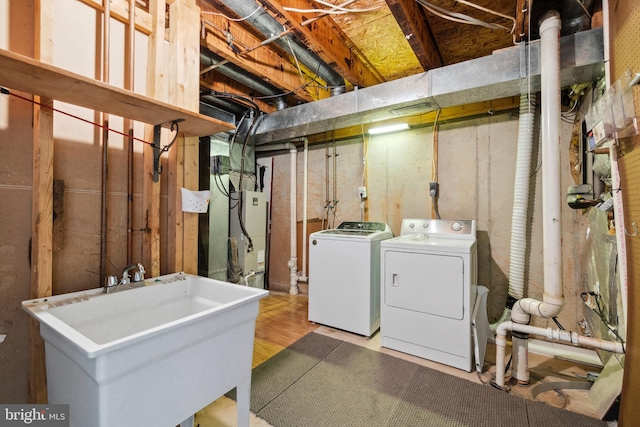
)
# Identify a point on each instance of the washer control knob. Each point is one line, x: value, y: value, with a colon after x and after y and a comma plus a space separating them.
x: 411, y: 225
x: 456, y: 226
x: 425, y: 225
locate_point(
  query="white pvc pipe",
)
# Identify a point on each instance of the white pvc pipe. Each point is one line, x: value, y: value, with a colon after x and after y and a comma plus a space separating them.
x: 551, y: 196
x: 305, y: 196
x: 606, y: 40
x: 549, y: 333
x: 553, y: 298
x: 293, y: 261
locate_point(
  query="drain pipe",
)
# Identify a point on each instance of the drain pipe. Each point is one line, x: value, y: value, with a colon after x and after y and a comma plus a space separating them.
x: 292, y: 264
x: 553, y: 298
x: 293, y: 261
x: 302, y: 277
x: 549, y: 333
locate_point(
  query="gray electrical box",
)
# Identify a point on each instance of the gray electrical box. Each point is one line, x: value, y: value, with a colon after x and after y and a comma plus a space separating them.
x: 254, y: 220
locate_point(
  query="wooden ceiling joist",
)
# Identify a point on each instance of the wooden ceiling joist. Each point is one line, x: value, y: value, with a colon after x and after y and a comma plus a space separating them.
x: 327, y: 41
x: 521, y: 30
x: 414, y: 25
x: 262, y: 62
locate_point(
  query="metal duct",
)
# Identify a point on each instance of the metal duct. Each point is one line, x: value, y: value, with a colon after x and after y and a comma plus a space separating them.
x: 224, y: 104
x: 224, y: 113
x: 502, y: 74
x: 574, y: 19
x: 238, y: 74
x: 270, y: 27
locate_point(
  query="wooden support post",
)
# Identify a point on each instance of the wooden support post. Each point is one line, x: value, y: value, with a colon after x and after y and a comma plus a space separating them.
x: 41, y: 205
x: 41, y: 240
x: 151, y: 193
x: 183, y: 158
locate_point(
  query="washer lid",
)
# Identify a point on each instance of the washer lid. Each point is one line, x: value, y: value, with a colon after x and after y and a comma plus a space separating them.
x: 371, y: 231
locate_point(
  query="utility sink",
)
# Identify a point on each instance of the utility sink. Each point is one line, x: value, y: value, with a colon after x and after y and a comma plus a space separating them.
x: 150, y: 356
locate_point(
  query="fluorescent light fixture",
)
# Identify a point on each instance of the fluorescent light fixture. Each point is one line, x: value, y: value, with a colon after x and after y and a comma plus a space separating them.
x: 387, y: 129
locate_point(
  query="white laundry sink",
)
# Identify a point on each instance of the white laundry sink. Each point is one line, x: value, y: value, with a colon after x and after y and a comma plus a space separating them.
x: 150, y: 356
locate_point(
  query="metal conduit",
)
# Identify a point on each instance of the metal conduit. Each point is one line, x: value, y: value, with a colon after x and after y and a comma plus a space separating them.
x: 224, y: 104
x: 270, y: 27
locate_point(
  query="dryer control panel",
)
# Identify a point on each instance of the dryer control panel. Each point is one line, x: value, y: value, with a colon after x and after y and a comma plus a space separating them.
x: 439, y: 227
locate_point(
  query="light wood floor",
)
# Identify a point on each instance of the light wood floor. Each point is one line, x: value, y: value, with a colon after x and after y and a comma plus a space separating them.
x: 283, y: 320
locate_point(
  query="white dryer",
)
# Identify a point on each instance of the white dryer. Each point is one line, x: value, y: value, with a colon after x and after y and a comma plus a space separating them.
x: 428, y: 290
x: 344, y: 276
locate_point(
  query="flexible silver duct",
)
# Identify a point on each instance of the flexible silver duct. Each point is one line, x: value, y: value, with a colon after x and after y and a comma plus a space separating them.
x: 270, y: 27
x: 241, y: 76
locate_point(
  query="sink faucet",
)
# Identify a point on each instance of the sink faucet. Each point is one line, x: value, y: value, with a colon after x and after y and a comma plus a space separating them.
x: 138, y: 276
x: 113, y: 285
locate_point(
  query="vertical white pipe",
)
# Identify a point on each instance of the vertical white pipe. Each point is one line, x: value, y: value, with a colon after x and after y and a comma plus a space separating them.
x: 501, y: 343
x: 606, y: 39
x: 305, y: 197
x: 520, y: 358
x: 293, y: 261
x: 551, y: 196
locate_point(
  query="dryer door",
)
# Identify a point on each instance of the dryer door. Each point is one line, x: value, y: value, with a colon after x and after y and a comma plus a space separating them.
x: 425, y: 282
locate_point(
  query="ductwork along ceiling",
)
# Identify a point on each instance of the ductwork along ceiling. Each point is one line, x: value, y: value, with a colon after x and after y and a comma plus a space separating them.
x: 276, y: 54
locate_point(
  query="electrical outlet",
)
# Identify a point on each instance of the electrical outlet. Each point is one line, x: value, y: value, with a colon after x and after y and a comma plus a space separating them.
x: 433, y: 189
x: 362, y: 191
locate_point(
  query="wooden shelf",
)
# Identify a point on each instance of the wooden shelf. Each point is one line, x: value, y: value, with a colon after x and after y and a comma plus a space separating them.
x: 21, y: 73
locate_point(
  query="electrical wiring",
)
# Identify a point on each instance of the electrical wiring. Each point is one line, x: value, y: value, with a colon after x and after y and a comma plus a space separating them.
x: 484, y: 9
x: 334, y: 10
x: 303, y: 86
x: 584, y: 296
x: 586, y: 12
x: 293, y: 53
x: 232, y: 19
x: 220, y: 186
x: 458, y: 17
x: 341, y: 7
x: 234, y: 96
x: 250, y: 131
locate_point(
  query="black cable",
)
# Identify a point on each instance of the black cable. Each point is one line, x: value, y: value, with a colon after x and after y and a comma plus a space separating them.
x: 434, y: 203
x: 557, y: 322
x: 215, y: 93
x: 250, y: 132
x: 222, y: 190
x: 599, y: 313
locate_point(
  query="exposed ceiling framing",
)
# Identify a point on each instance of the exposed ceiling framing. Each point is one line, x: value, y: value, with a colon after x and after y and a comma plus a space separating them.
x: 378, y: 41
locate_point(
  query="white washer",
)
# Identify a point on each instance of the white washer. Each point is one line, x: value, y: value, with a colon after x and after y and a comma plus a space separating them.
x: 429, y: 290
x: 344, y: 276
